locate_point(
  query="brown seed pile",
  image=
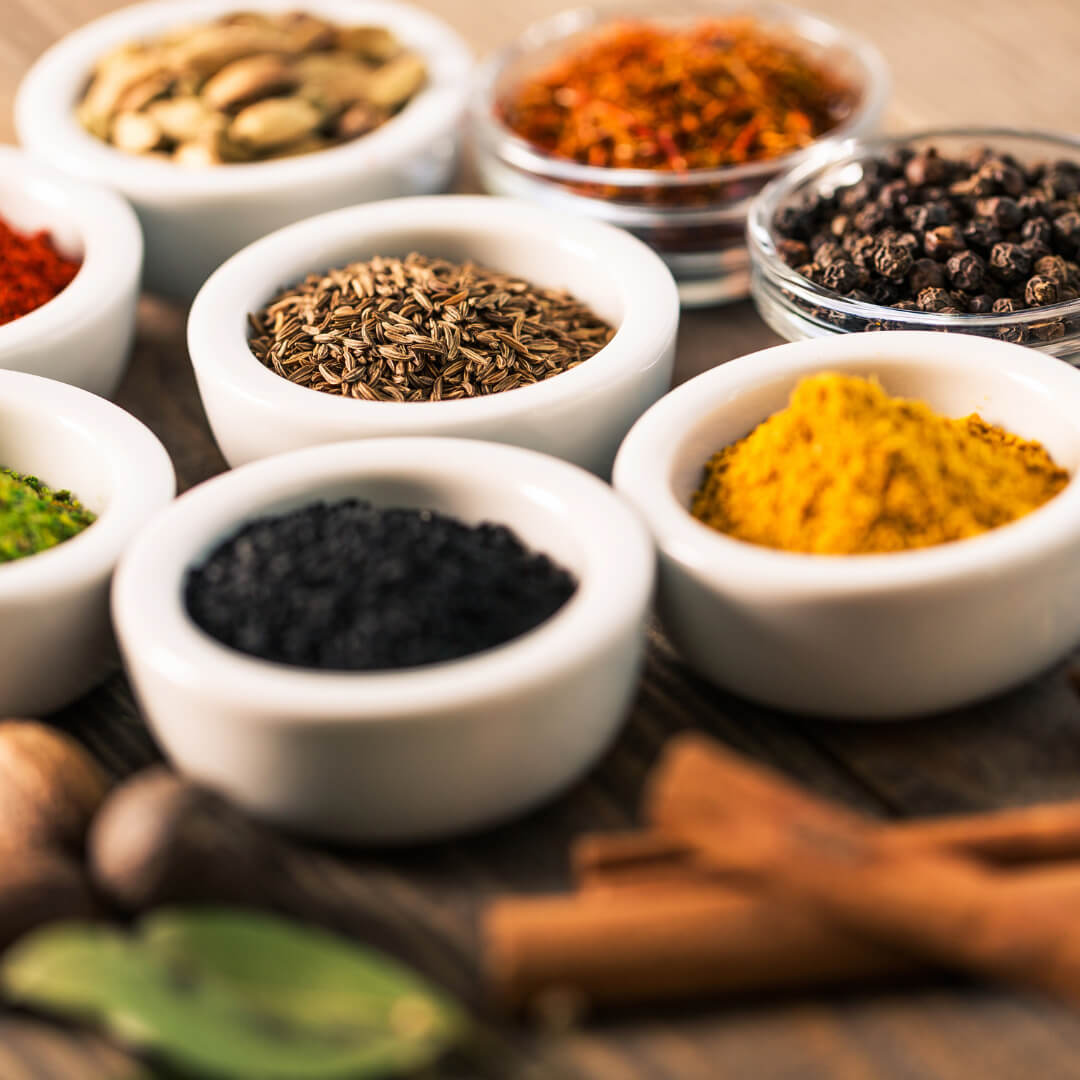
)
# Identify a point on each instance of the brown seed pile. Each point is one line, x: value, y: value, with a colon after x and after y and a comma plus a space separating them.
x: 249, y: 87
x: 422, y: 329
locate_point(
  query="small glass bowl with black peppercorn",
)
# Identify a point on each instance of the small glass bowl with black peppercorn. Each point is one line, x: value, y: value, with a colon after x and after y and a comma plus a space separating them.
x: 972, y: 231
x: 388, y: 639
x: 693, y: 217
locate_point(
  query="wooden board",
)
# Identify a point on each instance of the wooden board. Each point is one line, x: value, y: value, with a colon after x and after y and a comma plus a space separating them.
x: 989, y: 63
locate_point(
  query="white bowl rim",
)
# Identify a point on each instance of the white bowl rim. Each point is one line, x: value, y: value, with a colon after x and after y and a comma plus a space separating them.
x: 647, y: 290
x: 643, y: 466
x: 112, y: 250
x: 46, y: 99
x: 149, y: 609
x: 142, y: 473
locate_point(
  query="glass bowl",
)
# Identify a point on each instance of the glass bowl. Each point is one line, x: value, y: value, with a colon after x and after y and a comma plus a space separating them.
x: 695, y: 220
x: 796, y: 308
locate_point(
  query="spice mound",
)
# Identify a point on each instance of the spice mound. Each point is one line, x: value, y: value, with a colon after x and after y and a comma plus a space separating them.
x: 845, y: 469
x: 34, y: 518
x: 347, y: 586
x: 248, y: 87
x: 32, y: 272
x: 420, y: 329
x: 641, y: 95
x: 924, y: 232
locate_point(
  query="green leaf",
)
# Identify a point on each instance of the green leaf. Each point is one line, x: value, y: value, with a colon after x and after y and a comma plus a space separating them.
x: 238, y: 996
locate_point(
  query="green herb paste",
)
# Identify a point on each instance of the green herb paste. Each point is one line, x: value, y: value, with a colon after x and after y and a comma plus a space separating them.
x: 33, y: 517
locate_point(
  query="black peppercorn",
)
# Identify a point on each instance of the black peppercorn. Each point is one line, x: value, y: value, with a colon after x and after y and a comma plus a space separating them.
x: 1035, y: 249
x: 966, y: 270
x: 942, y: 242
x: 926, y: 274
x: 793, y: 252
x: 862, y: 251
x: 1009, y: 262
x: 1040, y: 291
x: 1037, y: 228
x: 1003, y: 175
x: 893, y: 260
x: 1001, y: 210
x: 926, y: 168
x: 1005, y: 305
x: 971, y: 227
x: 933, y: 300
x: 828, y: 253
x: 1067, y: 232
x: 981, y: 233
x: 895, y: 195
x: 840, y: 276
x: 927, y: 216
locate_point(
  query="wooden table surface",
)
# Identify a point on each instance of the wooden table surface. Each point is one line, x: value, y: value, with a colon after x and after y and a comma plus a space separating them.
x: 998, y: 62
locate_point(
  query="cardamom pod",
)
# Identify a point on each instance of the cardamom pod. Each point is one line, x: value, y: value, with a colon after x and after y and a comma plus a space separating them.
x: 247, y: 80
x: 274, y: 122
x: 394, y: 83
x: 185, y: 119
x: 135, y: 133
x: 370, y: 42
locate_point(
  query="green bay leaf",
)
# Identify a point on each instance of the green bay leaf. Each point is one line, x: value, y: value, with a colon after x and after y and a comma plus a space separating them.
x: 237, y: 995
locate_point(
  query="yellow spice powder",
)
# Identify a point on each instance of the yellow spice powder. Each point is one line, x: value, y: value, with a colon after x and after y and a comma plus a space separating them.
x: 845, y: 469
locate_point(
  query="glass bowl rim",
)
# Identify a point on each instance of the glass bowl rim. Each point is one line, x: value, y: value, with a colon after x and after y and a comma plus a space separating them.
x: 809, y: 26
x: 764, y: 256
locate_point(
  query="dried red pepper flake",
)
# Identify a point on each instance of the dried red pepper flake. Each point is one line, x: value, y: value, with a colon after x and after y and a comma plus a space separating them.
x: 32, y: 271
x: 647, y: 96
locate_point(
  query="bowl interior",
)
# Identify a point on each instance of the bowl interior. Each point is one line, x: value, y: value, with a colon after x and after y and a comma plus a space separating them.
x: 29, y: 202
x: 59, y: 451
x: 554, y: 259
x: 540, y: 519
x: 1019, y: 402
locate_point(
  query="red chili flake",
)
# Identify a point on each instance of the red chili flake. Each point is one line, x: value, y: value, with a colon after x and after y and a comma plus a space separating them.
x: 646, y: 96
x: 32, y: 271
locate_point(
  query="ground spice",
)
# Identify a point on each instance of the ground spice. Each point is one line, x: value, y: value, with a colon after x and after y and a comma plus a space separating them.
x: 646, y: 96
x: 347, y: 586
x: 845, y: 469
x: 32, y: 271
x: 420, y: 329
x: 34, y: 518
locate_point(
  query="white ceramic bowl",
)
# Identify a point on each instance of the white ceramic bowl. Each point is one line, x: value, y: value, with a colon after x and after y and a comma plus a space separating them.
x: 83, y: 335
x: 865, y: 636
x: 580, y: 415
x: 54, y: 606
x: 399, y: 755
x: 194, y: 219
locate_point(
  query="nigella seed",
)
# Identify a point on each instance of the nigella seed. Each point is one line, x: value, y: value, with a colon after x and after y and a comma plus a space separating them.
x: 347, y: 586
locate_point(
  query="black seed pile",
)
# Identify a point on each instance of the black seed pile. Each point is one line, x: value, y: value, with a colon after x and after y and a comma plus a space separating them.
x: 346, y: 586
x: 923, y: 232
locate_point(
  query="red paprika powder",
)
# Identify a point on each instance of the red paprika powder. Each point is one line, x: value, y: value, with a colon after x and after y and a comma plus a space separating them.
x: 32, y: 271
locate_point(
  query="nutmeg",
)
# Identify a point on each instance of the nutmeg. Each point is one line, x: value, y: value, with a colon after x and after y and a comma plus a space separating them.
x: 38, y: 887
x: 50, y: 788
x: 159, y: 839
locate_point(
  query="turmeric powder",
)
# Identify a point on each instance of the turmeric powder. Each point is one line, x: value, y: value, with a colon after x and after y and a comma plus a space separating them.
x: 846, y: 469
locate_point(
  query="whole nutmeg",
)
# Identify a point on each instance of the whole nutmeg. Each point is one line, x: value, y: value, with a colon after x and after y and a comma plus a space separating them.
x: 50, y: 788
x: 37, y: 887
x: 159, y: 839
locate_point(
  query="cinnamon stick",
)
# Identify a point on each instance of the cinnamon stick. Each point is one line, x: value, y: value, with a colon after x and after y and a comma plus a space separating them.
x: 942, y: 906
x: 666, y: 942
x: 1014, y: 836
x: 662, y: 943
